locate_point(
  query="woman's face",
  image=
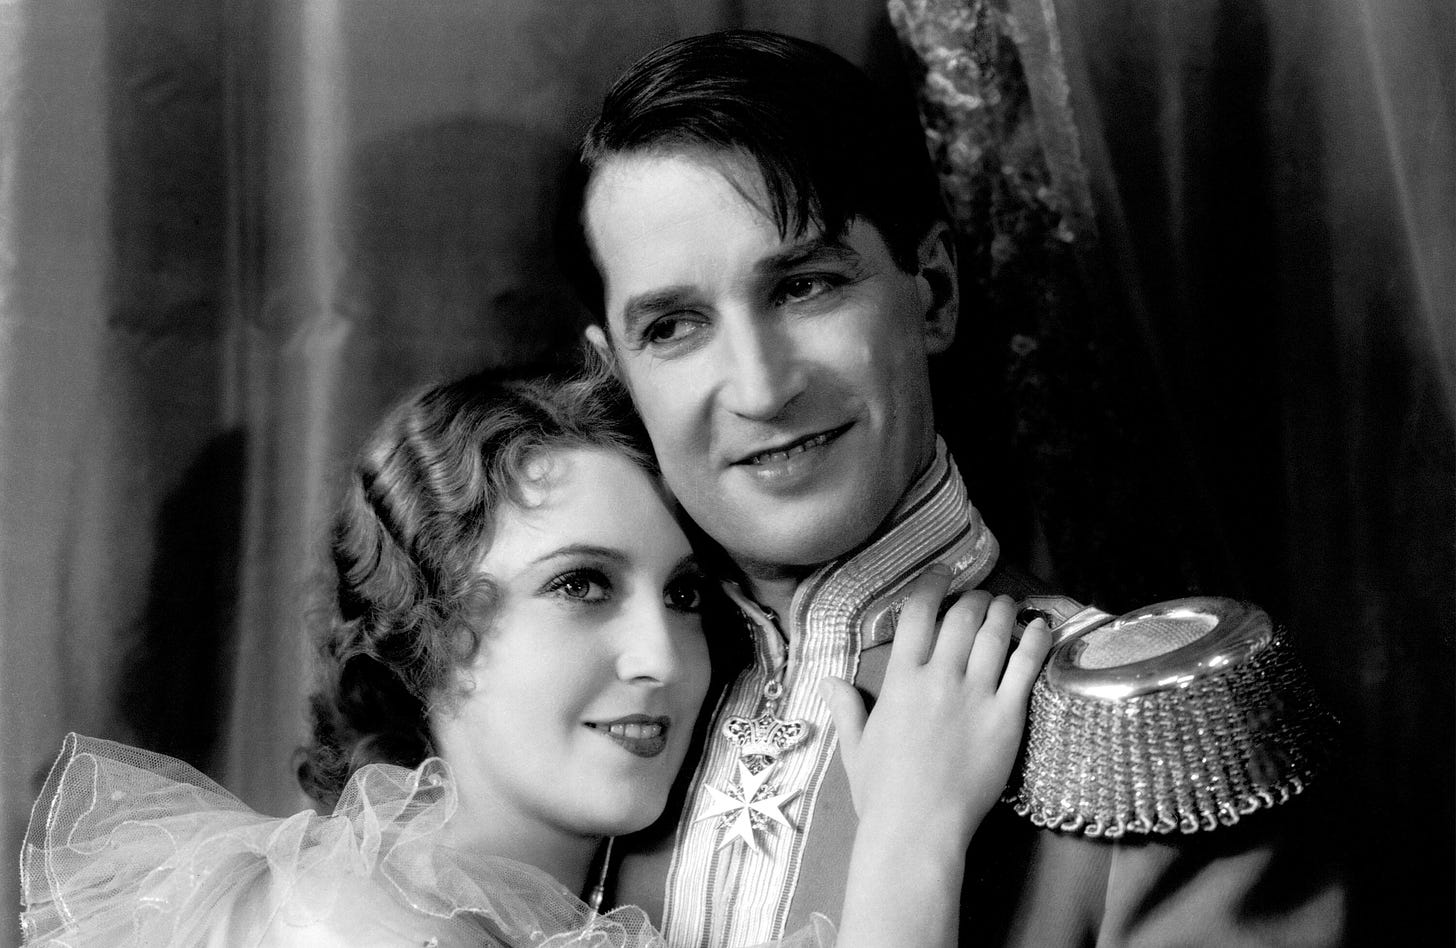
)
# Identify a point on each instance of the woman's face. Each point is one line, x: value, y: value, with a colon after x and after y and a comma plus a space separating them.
x: 579, y: 705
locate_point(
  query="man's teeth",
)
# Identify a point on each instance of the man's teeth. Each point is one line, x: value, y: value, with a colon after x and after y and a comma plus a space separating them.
x: 769, y: 457
x: 634, y: 731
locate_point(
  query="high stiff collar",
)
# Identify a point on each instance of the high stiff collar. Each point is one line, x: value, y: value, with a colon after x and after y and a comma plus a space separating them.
x: 861, y: 591
x: 837, y: 611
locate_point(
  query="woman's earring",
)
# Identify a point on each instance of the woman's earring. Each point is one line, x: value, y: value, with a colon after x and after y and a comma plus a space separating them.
x: 599, y: 891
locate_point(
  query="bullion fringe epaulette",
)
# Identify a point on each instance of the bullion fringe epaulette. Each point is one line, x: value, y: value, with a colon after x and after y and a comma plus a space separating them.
x: 1181, y: 717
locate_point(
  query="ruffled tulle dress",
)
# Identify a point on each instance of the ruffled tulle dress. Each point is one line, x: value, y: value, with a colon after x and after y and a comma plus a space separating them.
x: 131, y: 848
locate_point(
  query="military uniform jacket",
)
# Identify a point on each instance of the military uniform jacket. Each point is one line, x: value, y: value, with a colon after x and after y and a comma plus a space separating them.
x: 728, y: 874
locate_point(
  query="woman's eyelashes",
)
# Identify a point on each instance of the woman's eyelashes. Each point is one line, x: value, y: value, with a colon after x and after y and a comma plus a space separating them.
x: 580, y: 584
x: 590, y: 585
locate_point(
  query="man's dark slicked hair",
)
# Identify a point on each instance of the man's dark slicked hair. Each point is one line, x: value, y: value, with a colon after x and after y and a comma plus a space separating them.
x: 829, y: 145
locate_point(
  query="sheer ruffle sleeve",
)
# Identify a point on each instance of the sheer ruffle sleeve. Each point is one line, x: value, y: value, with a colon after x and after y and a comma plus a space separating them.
x: 130, y: 848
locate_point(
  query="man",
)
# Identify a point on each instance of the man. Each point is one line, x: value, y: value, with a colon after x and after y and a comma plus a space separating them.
x: 776, y: 277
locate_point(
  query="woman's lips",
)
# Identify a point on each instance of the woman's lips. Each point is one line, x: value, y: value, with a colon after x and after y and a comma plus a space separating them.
x: 637, y: 734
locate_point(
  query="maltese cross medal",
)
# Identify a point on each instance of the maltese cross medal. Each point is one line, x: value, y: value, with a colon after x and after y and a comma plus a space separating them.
x: 754, y: 801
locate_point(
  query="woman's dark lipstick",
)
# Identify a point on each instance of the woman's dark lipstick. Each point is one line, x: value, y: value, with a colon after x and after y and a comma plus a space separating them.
x: 638, y: 734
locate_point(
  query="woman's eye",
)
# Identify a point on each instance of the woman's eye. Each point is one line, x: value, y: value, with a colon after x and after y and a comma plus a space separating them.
x: 582, y: 584
x: 684, y: 595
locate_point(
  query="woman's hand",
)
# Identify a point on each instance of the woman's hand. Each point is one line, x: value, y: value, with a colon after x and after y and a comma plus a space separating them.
x: 935, y: 754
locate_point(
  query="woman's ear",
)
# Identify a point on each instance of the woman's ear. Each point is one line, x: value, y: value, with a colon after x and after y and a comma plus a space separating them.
x: 937, y: 259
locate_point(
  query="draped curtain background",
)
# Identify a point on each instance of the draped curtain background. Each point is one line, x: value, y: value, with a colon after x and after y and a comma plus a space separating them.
x: 1209, y: 340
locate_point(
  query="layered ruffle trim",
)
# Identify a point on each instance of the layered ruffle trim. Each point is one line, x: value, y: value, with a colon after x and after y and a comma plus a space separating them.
x: 126, y: 847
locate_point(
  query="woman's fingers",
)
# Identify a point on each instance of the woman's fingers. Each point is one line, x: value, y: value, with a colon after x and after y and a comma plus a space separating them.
x: 915, y: 632
x: 1026, y: 661
x: 946, y: 726
x: 847, y: 709
x: 972, y: 639
x: 988, y: 655
x: 960, y: 629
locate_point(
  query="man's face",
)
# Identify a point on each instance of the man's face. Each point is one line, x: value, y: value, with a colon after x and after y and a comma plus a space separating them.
x: 784, y: 382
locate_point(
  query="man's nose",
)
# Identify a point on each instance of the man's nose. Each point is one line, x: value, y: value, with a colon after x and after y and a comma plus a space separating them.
x: 762, y: 367
x: 650, y: 649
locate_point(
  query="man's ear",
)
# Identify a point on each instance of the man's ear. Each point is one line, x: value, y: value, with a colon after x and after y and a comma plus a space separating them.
x: 602, y: 346
x: 937, y: 258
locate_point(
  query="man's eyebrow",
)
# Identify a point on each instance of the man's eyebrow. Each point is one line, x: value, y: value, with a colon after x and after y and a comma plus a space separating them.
x: 581, y: 549
x: 644, y: 307
x: 689, y: 565
x: 809, y: 250
x: 641, y: 309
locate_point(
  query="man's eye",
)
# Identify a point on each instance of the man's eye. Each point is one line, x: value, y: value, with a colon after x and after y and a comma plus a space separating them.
x: 584, y: 585
x: 670, y: 329
x: 802, y: 288
x: 684, y: 594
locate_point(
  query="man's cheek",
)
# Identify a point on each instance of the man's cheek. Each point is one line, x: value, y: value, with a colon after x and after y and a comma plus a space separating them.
x: 660, y: 397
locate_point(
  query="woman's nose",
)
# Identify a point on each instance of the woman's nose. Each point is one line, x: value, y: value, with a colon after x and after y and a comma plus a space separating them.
x: 650, y: 649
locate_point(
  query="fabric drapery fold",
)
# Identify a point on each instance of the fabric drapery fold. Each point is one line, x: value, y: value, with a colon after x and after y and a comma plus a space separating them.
x: 1237, y: 377
x: 189, y: 344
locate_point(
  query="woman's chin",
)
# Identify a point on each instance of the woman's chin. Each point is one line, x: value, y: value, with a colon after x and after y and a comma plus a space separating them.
x: 631, y: 816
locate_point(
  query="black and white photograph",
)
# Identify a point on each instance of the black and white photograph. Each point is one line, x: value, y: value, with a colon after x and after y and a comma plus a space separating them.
x: 727, y: 473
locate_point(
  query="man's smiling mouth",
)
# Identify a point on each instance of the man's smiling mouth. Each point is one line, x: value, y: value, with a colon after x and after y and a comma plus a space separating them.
x: 778, y: 455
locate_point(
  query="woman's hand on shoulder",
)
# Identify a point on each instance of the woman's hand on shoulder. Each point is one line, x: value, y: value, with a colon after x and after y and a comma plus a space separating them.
x: 935, y: 754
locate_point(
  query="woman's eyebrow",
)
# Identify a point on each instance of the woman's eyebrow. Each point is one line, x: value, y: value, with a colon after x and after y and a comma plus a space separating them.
x: 581, y: 549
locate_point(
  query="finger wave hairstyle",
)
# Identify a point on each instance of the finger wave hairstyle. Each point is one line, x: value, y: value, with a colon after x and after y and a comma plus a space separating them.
x: 408, y: 605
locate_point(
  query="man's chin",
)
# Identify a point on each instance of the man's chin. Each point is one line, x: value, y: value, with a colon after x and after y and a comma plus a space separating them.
x: 797, y: 543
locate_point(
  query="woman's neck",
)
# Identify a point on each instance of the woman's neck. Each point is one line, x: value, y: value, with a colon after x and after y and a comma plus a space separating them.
x: 480, y: 829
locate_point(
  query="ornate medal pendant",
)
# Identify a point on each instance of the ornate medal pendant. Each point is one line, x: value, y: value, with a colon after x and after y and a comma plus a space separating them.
x: 754, y: 801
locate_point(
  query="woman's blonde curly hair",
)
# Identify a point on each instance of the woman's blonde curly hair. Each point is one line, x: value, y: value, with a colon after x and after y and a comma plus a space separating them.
x: 408, y: 605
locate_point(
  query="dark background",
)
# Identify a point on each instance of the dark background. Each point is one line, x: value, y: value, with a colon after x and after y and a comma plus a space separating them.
x: 1207, y: 342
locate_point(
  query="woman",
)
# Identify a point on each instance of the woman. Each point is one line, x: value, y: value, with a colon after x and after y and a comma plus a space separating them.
x: 511, y: 675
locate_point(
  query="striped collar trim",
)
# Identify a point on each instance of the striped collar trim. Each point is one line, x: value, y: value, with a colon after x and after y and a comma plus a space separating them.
x: 934, y: 523
x: 717, y: 896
